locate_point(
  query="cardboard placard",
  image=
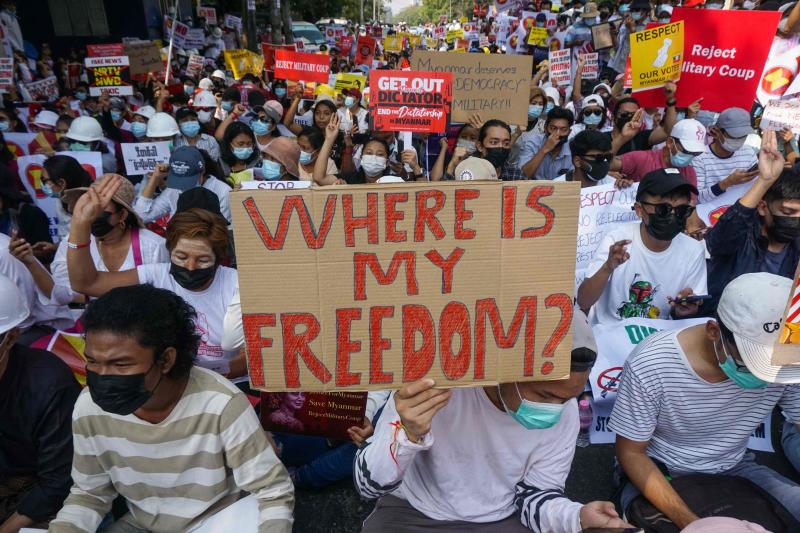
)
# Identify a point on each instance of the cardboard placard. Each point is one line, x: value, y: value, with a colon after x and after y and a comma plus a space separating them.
x: 209, y: 13
x: 109, y: 75
x: 601, y: 36
x: 657, y: 56
x: 780, y: 114
x: 301, y: 66
x: 410, y: 101
x: 365, y: 50
x: 243, y: 62
x: 104, y: 50
x: 414, y: 265
x: 268, y: 51
x: 194, y: 67
x: 143, y: 57
x: 483, y: 83
x: 44, y: 90
x: 560, y: 67
x: 6, y: 73
x: 320, y: 414
x: 591, y: 69
x: 142, y: 158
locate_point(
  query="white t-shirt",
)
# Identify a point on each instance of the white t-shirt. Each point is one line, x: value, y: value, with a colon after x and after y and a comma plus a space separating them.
x: 605, y: 181
x: 210, y: 305
x: 151, y: 209
x: 711, y: 169
x: 361, y: 116
x: 692, y: 425
x: 639, y: 287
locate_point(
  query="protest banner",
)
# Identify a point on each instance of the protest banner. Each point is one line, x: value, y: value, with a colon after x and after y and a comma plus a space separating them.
x: 142, y: 158
x: 194, y: 67
x: 195, y: 38
x: 30, y: 168
x: 243, y: 62
x: 560, y: 67
x: 709, y: 212
x: 301, y: 66
x: 471, y: 31
x: 18, y: 143
x: 178, y: 37
x: 321, y: 414
x: 452, y: 35
x: 365, y: 50
x: 104, y: 50
x: 268, y: 51
x: 439, y: 32
x: 391, y: 317
x: 143, y: 57
x: 410, y: 101
x: 92, y: 162
x: 208, y: 13
x: 6, y: 73
x: 346, y: 45
x: 345, y: 81
x: 483, y: 83
x: 109, y: 75
x: 657, y: 56
x: 780, y: 114
x: 537, y: 36
x: 483, y: 41
x: 333, y: 33
x: 235, y: 23
x: 392, y: 44
x: 591, y: 67
x: 42, y: 90
x: 779, y: 78
x: 602, y: 209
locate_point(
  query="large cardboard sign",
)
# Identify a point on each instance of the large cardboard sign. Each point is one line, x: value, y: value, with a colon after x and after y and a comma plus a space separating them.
x: 407, y: 281
x: 410, y: 101
x: 143, y: 57
x: 657, y: 56
x: 302, y: 66
x: 109, y: 75
x: 483, y: 83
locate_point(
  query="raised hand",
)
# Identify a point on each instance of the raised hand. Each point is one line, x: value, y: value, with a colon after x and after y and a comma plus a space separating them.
x: 92, y: 203
x: 617, y: 254
x: 770, y: 160
x: 332, y: 129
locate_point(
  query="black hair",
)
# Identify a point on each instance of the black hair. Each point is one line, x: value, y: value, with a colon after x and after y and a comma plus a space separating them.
x: 786, y: 187
x: 315, y: 137
x: 64, y: 167
x: 726, y: 333
x: 493, y: 123
x: 234, y: 129
x: 559, y: 113
x: 183, y: 113
x: 169, y: 322
x: 210, y: 166
x: 326, y: 103
x: 380, y: 141
x: 255, y: 98
x: 589, y: 140
x: 582, y: 359
x: 232, y: 94
x: 623, y: 101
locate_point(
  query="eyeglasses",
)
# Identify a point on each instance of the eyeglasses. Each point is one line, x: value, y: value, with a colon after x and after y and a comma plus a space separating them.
x: 599, y: 158
x: 597, y: 112
x: 665, y: 210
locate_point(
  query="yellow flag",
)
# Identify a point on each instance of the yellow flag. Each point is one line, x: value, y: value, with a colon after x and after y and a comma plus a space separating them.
x: 393, y: 43
x: 243, y: 62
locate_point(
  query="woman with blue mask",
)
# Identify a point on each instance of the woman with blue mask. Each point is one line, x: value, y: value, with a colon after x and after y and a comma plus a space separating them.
x: 310, y: 142
x: 61, y: 173
x: 238, y: 150
x: 263, y: 123
x: 139, y: 121
x: 592, y: 116
x: 9, y: 121
x: 279, y: 160
x: 192, y: 133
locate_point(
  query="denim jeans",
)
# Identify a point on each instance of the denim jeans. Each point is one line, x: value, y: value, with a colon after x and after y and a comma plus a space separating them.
x: 313, y: 462
x: 785, y: 491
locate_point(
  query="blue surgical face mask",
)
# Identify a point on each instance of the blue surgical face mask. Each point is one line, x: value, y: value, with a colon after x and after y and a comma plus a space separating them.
x: 242, y: 153
x: 4, y: 125
x: 116, y: 115
x: 533, y: 415
x: 280, y: 92
x: 188, y: 90
x: 534, y: 110
x: 550, y: 106
x: 270, y: 169
x: 305, y: 157
x: 680, y: 159
x: 80, y: 147
x: 191, y: 128
x: 349, y: 101
x: 592, y: 120
x: 80, y: 95
x: 624, y: 8
x: 637, y: 15
x: 260, y: 127
x: 227, y: 106
x: 139, y: 129
x: 48, y: 190
x: 742, y: 378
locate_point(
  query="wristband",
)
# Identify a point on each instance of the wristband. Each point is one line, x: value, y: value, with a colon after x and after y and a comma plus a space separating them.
x: 234, y: 116
x: 74, y: 246
x: 671, y: 102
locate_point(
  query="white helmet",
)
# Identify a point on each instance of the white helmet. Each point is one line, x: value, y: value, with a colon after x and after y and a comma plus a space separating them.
x: 147, y: 111
x: 13, y: 307
x: 217, y: 32
x: 162, y: 125
x: 204, y: 99
x: 46, y: 118
x: 218, y: 74
x: 206, y: 84
x: 85, y: 129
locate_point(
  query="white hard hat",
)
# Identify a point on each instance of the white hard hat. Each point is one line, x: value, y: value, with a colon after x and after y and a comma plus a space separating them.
x: 85, y: 129
x: 206, y: 84
x: 204, y: 99
x: 46, y: 118
x: 218, y: 74
x: 217, y: 32
x: 181, y: 52
x: 147, y: 111
x: 162, y: 125
x: 13, y: 308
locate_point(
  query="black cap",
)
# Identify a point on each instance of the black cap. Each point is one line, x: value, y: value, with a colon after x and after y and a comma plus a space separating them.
x: 662, y: 181
x: 640, y: 4
x: 199, y: 197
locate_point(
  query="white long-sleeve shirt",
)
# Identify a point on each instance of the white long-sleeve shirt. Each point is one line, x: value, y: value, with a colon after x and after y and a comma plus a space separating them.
x: 477, y: 464
x: 151, y: 209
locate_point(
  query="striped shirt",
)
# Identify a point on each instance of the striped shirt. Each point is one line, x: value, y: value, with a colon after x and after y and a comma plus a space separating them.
x: 176, y: 473
x: 711, y: 169
x: 691, y: 425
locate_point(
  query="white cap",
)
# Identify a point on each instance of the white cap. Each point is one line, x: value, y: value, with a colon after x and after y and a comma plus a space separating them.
x: 13, y: 307
x: 204, y: 99
x: 390, y: 179
x: 218, y: 74
x: 752, y: 307
x: 475, y: 168
x: 692, y: 135
x: 161, y: 125
x: 664, y: 8
x: 601, y: 86
x: 206, y: 84
x: 46, y: 118
x: 593, y: 99
x: 147, y: 111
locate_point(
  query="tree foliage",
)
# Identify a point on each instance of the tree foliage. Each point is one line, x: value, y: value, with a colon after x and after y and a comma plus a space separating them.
x: 430, y: 10
x: 313, y: 10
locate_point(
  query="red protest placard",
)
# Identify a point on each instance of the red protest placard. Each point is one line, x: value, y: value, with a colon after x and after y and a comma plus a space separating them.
x: 268, y: 51
x: 346, y: 44
x: 410, y: 101
x: 719, y: 65
x: 313, y: 413
x: 105, y: 50
x: 365, y: 50
x: 301, y: 66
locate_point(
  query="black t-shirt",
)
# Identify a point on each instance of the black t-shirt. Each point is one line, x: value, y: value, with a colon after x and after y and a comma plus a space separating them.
x: 640, y: 141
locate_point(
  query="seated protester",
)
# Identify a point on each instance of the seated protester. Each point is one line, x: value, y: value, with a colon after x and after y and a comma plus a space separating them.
x: 20, y: 214
x: 494, y: 145
x: 633, y: 139
x: 321, y: 113
x: 592, y: 116
x: 465, y: 147
x: 310, y: 142
x: 279, y: 160
x: 192, y: 134
x: 238, y: 149
x: 230, y: 97
x: 113, y: 120
x: 686, y: 142
x: 139, y: 121
x: 37, y: 394
x: 358, y: 116
x: 10, y: 121
x: 728, y: 161
x: 45, y: 123
x: 205, y: 103
x: 197, y: 241
x: 263, y: 121
x: 62, y: 125
x: 415, y: 461
x: 86, y: 135
x: 591, y: 159
x: 761, y: 231
x: 186, y: 169
x: 61, y: 173
x: 536, y: 109
x: 374, y: 160
x: 118, y: 241
x: 689, y: 399
x: 171, y: 418
x: 641, y: 269
x: 545, y: 156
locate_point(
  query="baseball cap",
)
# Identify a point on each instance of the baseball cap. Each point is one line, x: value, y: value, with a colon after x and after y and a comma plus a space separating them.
x: 125, y: 195
x: 355, y: 93
x: 601, y: 86
x: 736, y: 122
x: 274, y: 110
x: 475, y: 168
x: 662, y: 181
x: 692, y: 135
x: 593, y: 99
x: 664, y: 8
x: 116, y: 103
x: 185, y: 167
x: 752, y: 307
x: 198, y: 197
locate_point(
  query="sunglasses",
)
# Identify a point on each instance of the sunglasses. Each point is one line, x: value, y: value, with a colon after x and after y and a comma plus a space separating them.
x: 665, y: 210
x: 599, y: 158
x: 596, y: 112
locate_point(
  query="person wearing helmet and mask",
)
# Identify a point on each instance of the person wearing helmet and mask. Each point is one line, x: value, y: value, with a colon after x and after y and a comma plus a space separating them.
x: 139, y: 121
x: 37, y: 395
x: 219, y: 79
x: 192, y: 132
x: 162, y: 128
x: 86, y: 135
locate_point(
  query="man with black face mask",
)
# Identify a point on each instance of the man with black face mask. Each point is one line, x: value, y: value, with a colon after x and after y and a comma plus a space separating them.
x: 760, y: 232
x: 494, y: 145
x: 591, y: 157
x: 545, y: 156
x: 644, y: 269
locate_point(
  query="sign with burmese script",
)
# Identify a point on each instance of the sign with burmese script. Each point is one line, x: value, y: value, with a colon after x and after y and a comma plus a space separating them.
x: 466, y: 284
x: 410, y: 101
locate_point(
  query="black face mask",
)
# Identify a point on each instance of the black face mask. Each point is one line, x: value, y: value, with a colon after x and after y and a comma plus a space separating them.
x: 665, y: 228
x: 101, y: 225
x: 191, y: 280
x: 120, y: 395
x: 597, y: 170
x: 623, y: 119
x: 497, y: 156
x: 784, y: 229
